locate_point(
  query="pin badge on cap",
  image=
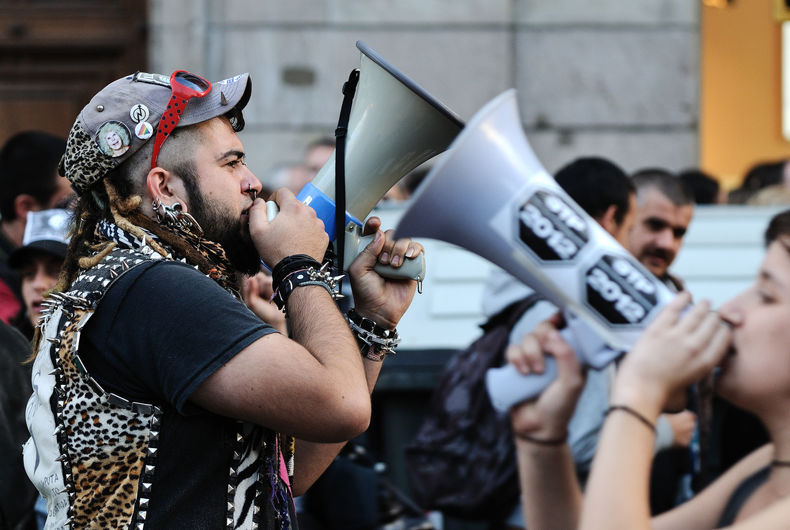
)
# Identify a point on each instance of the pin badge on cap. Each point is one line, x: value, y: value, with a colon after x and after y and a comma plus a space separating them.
x: 139, y: 113
x: 144, y: 130
x: 113, y: 138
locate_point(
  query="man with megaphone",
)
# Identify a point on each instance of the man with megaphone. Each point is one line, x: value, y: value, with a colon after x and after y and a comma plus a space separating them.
x: 159, y: 399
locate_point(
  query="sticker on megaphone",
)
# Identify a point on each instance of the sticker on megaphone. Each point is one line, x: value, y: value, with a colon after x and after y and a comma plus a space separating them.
x: 607, y: 296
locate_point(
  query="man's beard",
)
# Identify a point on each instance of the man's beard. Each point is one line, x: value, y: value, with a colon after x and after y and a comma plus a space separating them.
x: 221, y: 228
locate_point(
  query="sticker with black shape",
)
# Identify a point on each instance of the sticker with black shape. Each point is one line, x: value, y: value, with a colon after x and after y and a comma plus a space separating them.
x: 619, y: 290
x: 552, y: 228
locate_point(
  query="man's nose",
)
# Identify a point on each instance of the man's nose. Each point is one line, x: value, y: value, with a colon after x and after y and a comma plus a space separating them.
x: 665, y: 239
x: 41, y: 281
x: 251, y: 183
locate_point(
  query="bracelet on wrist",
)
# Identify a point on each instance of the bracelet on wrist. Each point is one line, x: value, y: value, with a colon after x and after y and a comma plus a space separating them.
x: 549, y: 442
x: 290, y: 264
x: 323, y: 277
x: 633, y: 413
x: 374, y: 341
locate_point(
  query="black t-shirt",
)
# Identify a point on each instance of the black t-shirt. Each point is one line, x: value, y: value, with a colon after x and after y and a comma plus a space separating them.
x: 158, y: 333
x: 162, y: 329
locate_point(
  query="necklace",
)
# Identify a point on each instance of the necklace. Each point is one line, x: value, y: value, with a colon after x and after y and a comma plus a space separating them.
x: 780, y: 463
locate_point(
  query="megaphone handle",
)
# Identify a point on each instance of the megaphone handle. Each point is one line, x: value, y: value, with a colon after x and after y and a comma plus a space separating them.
x: 271, y: 210
x: 507, y: 386
x: 410, y: 269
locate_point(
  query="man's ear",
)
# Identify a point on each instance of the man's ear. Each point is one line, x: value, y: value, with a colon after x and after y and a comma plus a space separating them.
x: 167, y: 187
x: 24, y: 203
x: 608, y: 221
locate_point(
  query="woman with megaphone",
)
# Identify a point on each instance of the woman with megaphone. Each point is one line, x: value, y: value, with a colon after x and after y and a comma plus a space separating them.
x: 745, y: 344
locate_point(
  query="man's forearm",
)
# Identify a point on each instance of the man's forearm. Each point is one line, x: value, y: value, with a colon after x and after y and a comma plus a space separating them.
x: 312, y: 459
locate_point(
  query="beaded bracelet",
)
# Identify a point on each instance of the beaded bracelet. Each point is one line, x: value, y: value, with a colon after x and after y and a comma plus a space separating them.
x: 374, y: 342
x: 309, y: 276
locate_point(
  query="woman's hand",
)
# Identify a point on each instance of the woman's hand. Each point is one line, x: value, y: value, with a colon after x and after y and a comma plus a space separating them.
x: 547, y: 416
x: 257, y: 294
x: 683, y: 344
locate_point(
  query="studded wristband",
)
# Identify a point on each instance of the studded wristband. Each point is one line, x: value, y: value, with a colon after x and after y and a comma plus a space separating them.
x: 374, y: 342
x: 323, y: 277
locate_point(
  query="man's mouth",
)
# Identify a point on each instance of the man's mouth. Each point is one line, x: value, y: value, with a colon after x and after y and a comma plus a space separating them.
x: 659, y: 254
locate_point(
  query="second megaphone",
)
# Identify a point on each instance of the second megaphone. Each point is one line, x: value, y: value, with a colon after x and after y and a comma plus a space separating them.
x: 491, y: 196
x: 393, y: 127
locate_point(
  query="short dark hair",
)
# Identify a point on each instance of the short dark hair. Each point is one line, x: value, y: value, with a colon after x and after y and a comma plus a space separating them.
x: 596, y: 184
x: 763, y: 174
x: 778, y: 227
x: 323, y: 141
x: 703, y: 187
x: 665, y: 182
x: 28, y: 165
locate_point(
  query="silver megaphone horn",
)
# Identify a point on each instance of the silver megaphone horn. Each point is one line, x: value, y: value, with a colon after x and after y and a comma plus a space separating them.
x: 394, y: 126
x: 490, y: 195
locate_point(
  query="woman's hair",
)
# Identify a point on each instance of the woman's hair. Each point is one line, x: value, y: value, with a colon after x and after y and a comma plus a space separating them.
x: 778, y: 227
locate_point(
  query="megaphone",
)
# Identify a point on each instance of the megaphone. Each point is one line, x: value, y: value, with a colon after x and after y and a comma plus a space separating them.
x: 394, y: 126
x: 490, y: 195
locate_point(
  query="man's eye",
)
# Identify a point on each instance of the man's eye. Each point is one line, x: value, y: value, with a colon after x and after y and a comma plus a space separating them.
x: 656, y: 226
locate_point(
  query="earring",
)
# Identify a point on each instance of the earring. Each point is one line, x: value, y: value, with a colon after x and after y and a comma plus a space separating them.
x: 174, y: 216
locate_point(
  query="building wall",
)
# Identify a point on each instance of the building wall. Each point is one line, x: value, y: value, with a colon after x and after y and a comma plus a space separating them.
x: 612, y: 78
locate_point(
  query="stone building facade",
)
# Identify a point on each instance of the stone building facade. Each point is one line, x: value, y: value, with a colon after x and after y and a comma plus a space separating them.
x: 612, y: 78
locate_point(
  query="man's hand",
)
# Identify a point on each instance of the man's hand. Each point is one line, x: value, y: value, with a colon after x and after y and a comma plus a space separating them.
x: 380, y: 299
x: 547, y: 416
x: 683, y: 424
x: 295, y: 230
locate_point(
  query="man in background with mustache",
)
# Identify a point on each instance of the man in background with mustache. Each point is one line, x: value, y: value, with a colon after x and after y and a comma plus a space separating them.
x: 664, y: 208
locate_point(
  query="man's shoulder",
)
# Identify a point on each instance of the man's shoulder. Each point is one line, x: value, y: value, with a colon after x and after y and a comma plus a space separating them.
x: 163, y: 278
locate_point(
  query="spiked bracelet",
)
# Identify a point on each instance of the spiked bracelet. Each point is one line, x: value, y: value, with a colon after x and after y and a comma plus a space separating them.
x: 310, y: 276
x: 374, y: 342
x: 290, y: 264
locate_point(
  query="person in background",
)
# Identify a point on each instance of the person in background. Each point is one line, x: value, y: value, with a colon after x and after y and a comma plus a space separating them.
x: 760, y: 176
x: 39, y: 261
x: 405, y: 187
x: 664, y: 208
x: 317, y: 153
x: 703, y: 187
x: 28, y: 182
x: 17, y: 494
